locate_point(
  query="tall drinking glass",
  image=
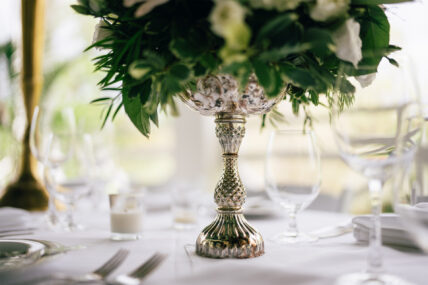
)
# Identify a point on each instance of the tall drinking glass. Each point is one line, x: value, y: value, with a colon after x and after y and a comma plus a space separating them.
x: 292, y: 176
x: 44, y: 127
x: 68, y: 175
x: 372, y: 137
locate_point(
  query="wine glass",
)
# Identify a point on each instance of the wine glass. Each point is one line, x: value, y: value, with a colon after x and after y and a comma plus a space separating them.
x: 292, y: 177
x: 44, y: 126
x: 68, y: 174
x: 373, y: 138
x: 411, y: 193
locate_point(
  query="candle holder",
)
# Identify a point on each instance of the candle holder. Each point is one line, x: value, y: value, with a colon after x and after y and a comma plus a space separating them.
x: 229, y: 235
x: 26, y: 191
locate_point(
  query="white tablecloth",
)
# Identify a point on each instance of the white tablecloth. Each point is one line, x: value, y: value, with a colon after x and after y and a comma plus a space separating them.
x: 317, y: 263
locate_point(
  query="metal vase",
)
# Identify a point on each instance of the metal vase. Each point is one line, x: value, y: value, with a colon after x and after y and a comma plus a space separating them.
x: 230, y: 235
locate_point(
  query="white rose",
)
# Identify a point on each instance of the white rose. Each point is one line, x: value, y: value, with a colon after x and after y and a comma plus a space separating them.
x: 366, y: 80
x: 348, y: 42
x: 328, y: 9
x: 100, y: 32
x: 226, y: 14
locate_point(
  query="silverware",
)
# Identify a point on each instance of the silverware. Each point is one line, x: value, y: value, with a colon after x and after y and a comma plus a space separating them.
x: 135, y: 277
x: 96, y: 276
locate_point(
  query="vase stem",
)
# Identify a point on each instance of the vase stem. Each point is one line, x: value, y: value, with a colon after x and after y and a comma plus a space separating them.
x: 230, y: 235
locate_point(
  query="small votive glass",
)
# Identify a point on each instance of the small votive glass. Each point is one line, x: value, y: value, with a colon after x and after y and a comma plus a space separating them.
x: 184, y: 206
x: 126, y: 216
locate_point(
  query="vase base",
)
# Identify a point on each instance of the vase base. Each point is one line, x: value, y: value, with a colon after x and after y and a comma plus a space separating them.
x: 230, y: 236
x: 25, y: 193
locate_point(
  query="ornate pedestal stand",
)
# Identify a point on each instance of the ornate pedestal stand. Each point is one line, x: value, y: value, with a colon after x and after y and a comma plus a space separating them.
x: 230, y: 235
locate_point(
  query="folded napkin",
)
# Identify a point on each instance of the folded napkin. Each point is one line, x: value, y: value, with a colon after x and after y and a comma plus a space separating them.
x: 393, y: 232
x: 15, y: 219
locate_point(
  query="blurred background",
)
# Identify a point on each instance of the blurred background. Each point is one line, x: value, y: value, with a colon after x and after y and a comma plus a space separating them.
x: 183, y: 148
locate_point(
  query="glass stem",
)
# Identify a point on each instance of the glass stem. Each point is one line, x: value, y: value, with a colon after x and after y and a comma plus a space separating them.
x: 70, y: 216
x: 375, y: 237
x: 292, y: 229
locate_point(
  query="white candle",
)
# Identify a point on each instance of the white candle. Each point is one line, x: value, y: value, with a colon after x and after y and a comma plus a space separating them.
x: 130, y: 222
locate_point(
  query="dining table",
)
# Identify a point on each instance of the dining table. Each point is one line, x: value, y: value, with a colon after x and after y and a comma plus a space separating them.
x: 316, y: 263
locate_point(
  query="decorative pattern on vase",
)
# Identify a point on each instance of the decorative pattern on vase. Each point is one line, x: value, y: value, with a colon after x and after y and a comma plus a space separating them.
x: 229, y: 235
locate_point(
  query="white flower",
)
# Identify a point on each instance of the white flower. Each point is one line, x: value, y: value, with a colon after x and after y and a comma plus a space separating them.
x: 366, y: 80
x: 100, y: 32
x: 348, y: 42
x: 328, y: 9
x: 145, y: 7
x: 225, y: 15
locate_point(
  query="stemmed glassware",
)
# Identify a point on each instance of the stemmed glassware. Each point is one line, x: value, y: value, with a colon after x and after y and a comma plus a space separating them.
x: 56, y: 131
x: 374, y: 135
x: 293, y: 178
x: 411, y: 193
x: 69, y: 175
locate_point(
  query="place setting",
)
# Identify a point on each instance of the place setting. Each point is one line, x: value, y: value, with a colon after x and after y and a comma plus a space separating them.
x: 218, y: 141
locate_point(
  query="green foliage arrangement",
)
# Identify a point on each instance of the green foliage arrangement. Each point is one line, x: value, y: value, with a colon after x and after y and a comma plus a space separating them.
x: 155, y: 49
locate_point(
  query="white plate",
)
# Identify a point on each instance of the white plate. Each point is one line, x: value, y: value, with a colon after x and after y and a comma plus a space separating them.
x: 18, y: 253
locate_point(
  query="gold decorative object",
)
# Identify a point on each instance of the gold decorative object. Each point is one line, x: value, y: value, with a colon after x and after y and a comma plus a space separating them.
x: 230, y: 235
x: 26, y: 192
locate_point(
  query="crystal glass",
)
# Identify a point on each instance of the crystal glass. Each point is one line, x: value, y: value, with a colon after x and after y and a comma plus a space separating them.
x: 68, y: 174
x: 184, y: 205
x: 126, y: 216
x: 293, y: 178
x: 44, y: 127
x: 411, y: 193
x: 373, y: 137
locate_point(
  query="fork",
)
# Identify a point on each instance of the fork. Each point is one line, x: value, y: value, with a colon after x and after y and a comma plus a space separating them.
x: 97, y: 275
x: 136, y: 276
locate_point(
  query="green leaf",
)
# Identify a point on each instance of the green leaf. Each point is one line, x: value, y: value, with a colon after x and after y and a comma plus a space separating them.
x: 314, y: 97
x: 319, y: 40
x: 392, y: 61
x: 268, y: 77
x: 180, y: 71
x: 377, y: 2
x: 345, y: 87
x: 145, y: 90
x: 183, y: 49
x: 137, y: 114
x: 298, y: 76
x: 209, y: 61
x: 100, y: 99
x: 81, y: 9
x: 283, y: 52
x: 375, y: 36
x: 276, y: 26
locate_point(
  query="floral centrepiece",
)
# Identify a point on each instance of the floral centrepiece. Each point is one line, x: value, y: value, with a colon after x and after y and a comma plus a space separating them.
x: 155, y: 50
